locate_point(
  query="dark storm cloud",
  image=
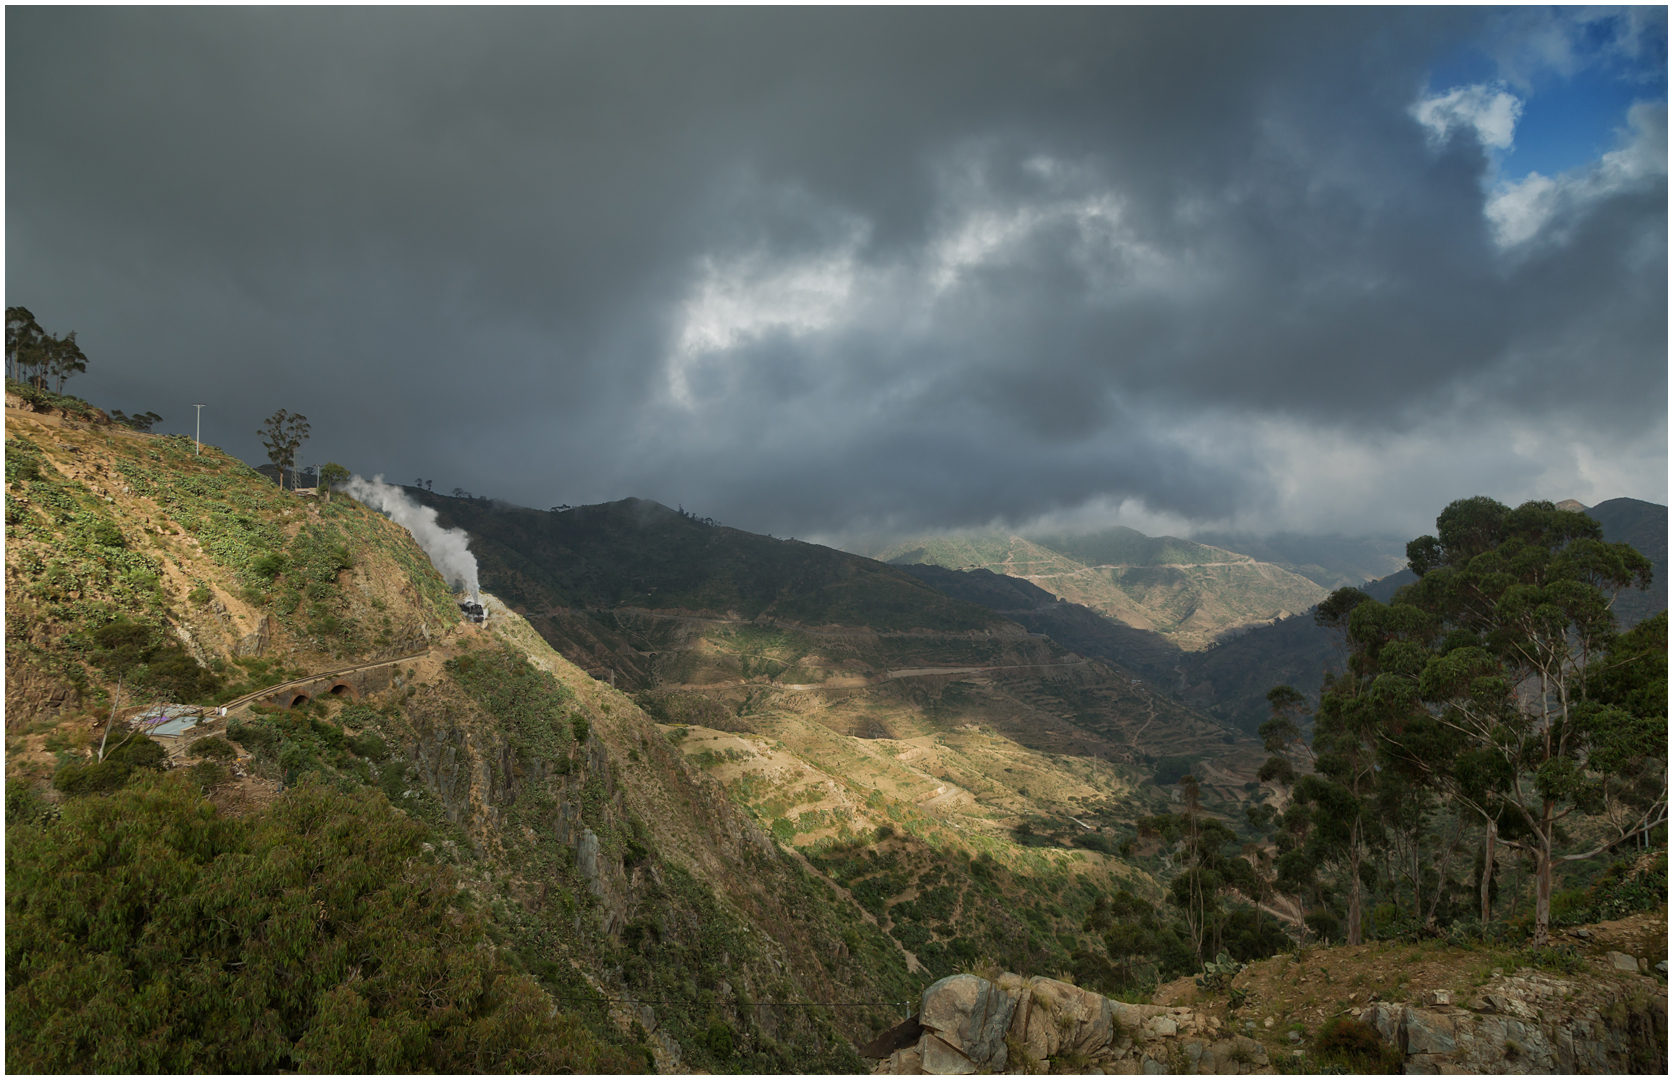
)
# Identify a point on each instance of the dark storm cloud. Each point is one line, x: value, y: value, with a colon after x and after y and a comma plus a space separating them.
x: 809, y: 271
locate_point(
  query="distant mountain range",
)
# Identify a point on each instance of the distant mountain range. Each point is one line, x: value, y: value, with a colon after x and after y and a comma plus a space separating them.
x: 1190, y: 593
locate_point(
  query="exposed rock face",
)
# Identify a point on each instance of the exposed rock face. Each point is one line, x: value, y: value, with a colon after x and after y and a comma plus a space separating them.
x: 965, y: 1020
x: 1055, y: 1018
x: 1032, y: 1025
x: 1527, y: 1023
x: 1534, y: 1023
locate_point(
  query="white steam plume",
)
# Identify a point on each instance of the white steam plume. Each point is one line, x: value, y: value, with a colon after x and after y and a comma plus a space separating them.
x: 446, y: 547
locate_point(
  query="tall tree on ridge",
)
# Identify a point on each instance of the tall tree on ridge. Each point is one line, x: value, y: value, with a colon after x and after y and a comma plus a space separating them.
x: 331, y: 473
x: 283, y: 434
x: 24, y: 340
x: 64, y: 358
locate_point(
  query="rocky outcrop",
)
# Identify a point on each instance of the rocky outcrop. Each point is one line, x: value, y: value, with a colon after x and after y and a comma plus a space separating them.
x: 1036, y: 1025
x: 965, y: 1021
x: 1531, y: 1022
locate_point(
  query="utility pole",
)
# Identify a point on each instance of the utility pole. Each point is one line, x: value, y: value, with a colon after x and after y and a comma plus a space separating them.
x: 197, y: 443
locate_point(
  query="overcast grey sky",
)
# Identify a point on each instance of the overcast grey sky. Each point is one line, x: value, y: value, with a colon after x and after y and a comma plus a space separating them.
x: 814, y: 272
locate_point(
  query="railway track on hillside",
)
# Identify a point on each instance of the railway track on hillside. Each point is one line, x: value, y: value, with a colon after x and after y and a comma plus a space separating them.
x: 336, y: 673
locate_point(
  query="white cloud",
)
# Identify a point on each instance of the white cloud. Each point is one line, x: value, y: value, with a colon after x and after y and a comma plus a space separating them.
x: 1491, y: 112
x: 737, y: 299
x: 983, y: 228
x: 1520, y: 210
x: 1517, y: 209
x: 741, y: 299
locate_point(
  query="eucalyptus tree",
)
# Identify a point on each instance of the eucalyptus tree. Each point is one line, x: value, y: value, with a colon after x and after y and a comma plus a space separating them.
x: 1484, y: 676
x: 329, y: 475
x: 24, y: 341
x: 1342, y: 791
x: 64, y: 358
x: 283, y: 434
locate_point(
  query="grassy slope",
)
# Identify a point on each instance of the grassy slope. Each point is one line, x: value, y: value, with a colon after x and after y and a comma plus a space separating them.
x: 1329, y: 561
x: 669, y: 917
x: 103, y: 523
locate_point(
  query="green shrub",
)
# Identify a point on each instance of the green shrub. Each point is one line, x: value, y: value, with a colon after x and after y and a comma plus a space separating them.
x: 1559, y: 958
x: 719, y: 1040
x: 357, y: 716
x: 95, y: 777
x: 208, y: 774
x: 1356, y: 1045
x: 147, y: 656
x: 369, y: 746
x: 330, y: 735
x: 214, y: 747
x: 257, y: 736
x: 269, y: 566
x: 1098, y: 842
x: 1325, y: 924
x: 295, y: 758
x: 91, y: 778
x: 106, y: 534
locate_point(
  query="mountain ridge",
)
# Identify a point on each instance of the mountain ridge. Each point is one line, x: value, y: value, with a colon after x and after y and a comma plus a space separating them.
x: 1188, y: 592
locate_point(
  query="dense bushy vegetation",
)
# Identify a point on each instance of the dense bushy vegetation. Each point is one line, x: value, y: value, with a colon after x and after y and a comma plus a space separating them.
x: 112, y: 769
x: 146, y: 933
x: 969, y: 912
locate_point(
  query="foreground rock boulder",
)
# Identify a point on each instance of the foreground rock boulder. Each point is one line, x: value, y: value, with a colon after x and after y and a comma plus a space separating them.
x: 965, y: 1021
x: 1036, y: 1025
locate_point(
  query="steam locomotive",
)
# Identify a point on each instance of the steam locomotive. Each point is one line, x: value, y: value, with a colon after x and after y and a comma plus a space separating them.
x: 473, y: 610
